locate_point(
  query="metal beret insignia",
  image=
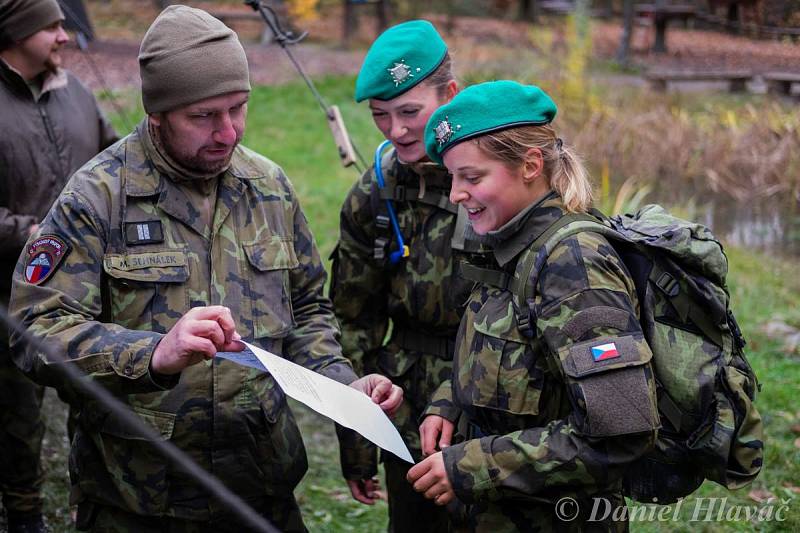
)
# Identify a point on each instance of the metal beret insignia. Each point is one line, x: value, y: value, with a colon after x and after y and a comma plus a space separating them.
x: 444, y: 131
x: 400, y: 72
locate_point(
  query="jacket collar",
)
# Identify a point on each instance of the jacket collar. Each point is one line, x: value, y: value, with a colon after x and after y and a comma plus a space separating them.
x: 520, y: 232
x: 144, y: 179
x: 14, y: 80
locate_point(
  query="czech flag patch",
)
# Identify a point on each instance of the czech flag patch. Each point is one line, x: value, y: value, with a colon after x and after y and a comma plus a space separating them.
x: 44, y: 256
x: 604, y: 351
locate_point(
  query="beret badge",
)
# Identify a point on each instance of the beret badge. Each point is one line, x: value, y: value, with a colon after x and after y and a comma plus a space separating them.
x: 444, y: 131
x: 400, y: 72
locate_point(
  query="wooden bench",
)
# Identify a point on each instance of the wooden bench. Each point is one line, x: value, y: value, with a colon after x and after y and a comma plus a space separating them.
x: 737, y: 79
x: 661, y: 15
x: 780, y: 82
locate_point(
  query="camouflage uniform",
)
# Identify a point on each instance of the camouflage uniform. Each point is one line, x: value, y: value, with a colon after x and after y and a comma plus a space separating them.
x: 140, y: 256
x: 421, y: 297
x: 544, y: 420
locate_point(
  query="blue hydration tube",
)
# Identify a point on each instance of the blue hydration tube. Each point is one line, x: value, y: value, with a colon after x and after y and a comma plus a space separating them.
x: 402, y: 249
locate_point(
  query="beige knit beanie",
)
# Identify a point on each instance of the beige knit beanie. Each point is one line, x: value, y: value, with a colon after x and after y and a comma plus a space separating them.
x: 22, y: 18
x: 186, y: 56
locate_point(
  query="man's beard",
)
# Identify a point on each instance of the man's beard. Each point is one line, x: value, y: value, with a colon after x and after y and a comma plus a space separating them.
x: 192, y: 162
x: 51, y: 64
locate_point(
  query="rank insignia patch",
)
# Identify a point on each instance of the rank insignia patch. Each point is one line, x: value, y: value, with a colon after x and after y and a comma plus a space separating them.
x: 44, y: 256
x: 144, y: 232
x: 400, y: 72
x: 604, y: 351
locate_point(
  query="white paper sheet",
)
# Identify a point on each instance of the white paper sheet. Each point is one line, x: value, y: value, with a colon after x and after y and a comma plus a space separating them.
x: 340, y: 403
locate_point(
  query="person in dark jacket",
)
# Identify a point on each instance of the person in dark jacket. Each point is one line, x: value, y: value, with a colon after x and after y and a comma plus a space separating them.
x: 51, y: 126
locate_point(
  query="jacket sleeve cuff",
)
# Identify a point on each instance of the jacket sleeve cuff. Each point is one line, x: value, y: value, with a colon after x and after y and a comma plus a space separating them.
x: 468, y: 472
x: 341, y: 372
x: 358, y: 456
x: 133, y: 364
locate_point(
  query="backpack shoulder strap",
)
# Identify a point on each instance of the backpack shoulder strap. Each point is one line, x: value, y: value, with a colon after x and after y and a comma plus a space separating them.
x: 531, y: 262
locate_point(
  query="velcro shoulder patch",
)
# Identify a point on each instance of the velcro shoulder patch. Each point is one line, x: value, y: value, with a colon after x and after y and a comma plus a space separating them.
x: 45, y: 254
x: 144, y: 232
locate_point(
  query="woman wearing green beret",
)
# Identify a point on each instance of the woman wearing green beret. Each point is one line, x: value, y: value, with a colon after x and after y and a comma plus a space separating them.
x: 557, y: 397
x: 400, y: 278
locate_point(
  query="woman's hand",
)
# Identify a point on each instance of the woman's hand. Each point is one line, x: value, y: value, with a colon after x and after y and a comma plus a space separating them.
x: 435, y: 428
x: 380, y: 388
x: 430, y: 478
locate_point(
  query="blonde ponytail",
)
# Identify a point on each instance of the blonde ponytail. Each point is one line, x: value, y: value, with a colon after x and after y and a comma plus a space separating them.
x: 563, y: 169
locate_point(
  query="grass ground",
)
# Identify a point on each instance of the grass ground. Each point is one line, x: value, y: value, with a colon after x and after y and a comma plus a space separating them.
x: 286, y: 125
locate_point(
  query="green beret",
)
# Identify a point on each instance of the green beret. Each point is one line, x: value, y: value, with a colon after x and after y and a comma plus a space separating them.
x: 399, y: 59
x: 486, y: 108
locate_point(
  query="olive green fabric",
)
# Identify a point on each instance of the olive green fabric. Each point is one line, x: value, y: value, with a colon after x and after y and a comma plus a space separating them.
x: 111, y: 301
x: 707, y: 388
x: 477, y: 110
x: 399, y: 59
x: 186, y: 56
x: 544, y: 420
x: 22, y: 18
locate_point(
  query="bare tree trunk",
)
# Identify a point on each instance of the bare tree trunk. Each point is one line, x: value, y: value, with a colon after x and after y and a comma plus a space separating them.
x: 528, y: 10
x: 627, y: 32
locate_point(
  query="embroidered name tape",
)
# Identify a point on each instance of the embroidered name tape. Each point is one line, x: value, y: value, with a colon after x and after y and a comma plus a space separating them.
x: 44, y: 256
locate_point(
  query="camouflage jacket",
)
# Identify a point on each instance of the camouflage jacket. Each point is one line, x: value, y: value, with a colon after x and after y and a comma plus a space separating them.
x: 546, y: 420
x: 420, y: 296
x: 138, y: 257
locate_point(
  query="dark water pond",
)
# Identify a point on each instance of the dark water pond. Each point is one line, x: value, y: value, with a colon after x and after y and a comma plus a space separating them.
x: 764, y: 224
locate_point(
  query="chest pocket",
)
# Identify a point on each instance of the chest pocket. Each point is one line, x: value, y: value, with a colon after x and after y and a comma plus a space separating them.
x: 270, y: 261
x: 501, y: 364
x: 147, y: 290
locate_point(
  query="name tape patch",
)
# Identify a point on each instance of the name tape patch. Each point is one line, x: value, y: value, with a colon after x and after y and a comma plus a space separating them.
x: 44, y: 256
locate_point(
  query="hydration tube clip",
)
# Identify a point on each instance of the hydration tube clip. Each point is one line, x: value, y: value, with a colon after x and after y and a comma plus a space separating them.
x: 402, y: 248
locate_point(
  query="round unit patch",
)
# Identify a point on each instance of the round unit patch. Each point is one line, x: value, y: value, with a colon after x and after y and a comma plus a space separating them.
x: 44, y: 256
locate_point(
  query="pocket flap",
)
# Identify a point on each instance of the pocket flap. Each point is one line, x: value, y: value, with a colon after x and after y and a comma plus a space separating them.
x: 605, y: 353
x: 498, y: 319
x: 162, y: 423
x: 164, y: 266
x: 273, y: 253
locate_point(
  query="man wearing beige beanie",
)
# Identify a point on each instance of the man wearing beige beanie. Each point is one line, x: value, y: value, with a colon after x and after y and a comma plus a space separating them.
x: 50, y: 126
x: 172, y: 245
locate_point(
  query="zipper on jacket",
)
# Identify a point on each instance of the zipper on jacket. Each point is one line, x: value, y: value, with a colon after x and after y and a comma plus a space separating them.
x: 51, y: 135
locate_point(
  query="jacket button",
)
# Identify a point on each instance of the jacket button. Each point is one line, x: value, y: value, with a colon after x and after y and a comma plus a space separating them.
x: 129, y: 370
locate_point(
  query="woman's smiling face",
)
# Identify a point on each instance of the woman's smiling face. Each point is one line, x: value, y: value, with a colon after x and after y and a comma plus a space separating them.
x: 493, y: 192
x: 402, y: 119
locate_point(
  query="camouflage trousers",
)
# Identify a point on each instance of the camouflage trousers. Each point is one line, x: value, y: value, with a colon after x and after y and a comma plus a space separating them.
x: 21, y: 433
x: 283, y: 514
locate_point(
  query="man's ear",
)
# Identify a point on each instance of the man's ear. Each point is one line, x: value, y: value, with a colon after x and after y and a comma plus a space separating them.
x: 154, y: 119
x: 533, y: 166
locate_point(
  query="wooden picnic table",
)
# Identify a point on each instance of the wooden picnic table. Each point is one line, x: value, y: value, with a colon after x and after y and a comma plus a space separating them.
x: 661, y: 15
x: 737, y: 79
x: 780, y: 82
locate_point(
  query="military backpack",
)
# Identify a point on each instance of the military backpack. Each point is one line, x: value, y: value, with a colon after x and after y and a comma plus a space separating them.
x: 705, y: 385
